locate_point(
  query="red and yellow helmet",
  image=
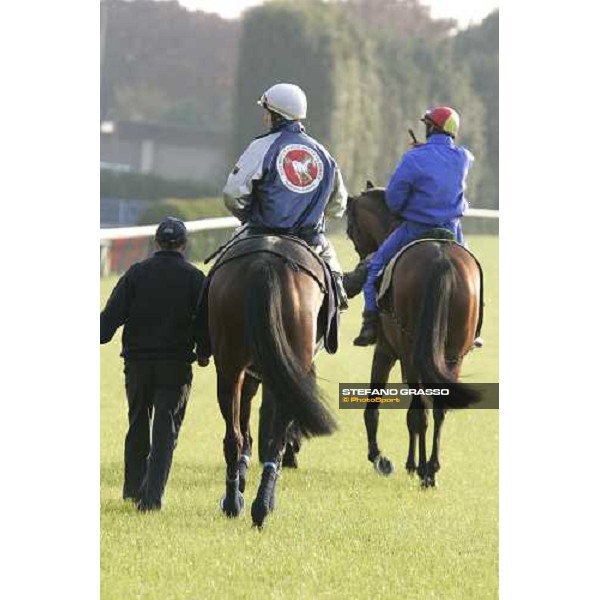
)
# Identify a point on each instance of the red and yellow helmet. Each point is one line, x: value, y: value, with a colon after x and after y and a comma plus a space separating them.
x: 444, y: 118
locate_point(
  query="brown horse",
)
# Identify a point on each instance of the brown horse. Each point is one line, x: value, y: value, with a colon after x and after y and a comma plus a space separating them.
x: 263, y: 322
x: 429, y: 326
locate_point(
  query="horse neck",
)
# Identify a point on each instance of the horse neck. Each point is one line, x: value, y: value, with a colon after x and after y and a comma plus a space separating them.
x: 377, y: 219
x: 380, y: 232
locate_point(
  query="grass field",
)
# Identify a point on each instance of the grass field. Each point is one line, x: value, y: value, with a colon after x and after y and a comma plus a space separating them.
x: 339, y: 531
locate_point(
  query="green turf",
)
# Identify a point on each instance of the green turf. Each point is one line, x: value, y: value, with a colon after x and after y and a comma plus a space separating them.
x: 339, y: 531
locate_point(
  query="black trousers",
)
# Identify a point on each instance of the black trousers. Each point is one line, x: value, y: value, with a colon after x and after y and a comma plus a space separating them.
x: 157, y: 394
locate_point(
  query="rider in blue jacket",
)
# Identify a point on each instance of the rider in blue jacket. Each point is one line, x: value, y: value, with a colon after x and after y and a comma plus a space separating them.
x: 426, y: 190
x: 286, y: 182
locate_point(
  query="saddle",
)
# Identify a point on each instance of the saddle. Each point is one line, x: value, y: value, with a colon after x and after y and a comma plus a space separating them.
x: 295, y: 254
x: 386, y: 279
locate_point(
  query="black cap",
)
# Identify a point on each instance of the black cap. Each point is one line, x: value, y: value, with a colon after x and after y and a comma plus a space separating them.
x: 171, y: 232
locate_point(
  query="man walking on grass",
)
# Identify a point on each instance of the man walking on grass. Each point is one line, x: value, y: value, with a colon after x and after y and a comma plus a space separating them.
x: 155, y: 301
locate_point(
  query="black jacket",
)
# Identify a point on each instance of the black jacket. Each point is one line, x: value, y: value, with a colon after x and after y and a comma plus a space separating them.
x: 156, y: 301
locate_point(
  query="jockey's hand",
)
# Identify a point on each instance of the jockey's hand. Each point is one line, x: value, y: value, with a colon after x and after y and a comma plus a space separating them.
x: 416, y: 144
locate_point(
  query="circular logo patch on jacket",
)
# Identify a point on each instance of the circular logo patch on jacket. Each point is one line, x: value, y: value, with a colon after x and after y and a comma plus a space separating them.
x: 300, y: 168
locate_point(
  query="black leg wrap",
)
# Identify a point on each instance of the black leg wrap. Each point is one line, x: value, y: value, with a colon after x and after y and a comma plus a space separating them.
x: 243, y: 471
x: 232, y: 503
x: 265, y: 498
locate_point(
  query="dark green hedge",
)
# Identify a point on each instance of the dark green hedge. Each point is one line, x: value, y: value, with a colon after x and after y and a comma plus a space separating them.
x: 149, y: 187
x: 202, y: 243
x: 184, y: 209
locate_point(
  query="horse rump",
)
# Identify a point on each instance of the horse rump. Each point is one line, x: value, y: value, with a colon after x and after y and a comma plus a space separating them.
x: 429, y: 349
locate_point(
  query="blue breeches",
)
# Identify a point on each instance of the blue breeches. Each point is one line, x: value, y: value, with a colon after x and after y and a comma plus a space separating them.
x: 404, y: 234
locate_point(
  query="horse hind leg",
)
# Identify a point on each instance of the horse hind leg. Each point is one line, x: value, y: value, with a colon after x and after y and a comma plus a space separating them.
x: 249, y: 390
x: 229, y: 391
x: 265, y: 426
x: 439, y: 415
x: 292, y: 447
x: 417, y: 421
x: 264, y: 503
x: 383, y: 363
x: 433, y: 466
x: 411, y: 465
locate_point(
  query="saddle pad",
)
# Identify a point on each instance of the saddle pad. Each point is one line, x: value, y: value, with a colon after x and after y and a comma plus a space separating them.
x: 290, y: 249
x: 297, y: 255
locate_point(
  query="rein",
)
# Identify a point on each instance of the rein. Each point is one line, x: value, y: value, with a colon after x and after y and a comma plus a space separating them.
x: 225, y: 245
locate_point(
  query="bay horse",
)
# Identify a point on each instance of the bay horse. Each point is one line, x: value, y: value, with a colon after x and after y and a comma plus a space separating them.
x: 430, y: 326
x: 263, y: 323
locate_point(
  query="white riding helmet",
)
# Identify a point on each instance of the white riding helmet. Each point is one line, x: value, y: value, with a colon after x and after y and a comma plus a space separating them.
x: 286, y: 99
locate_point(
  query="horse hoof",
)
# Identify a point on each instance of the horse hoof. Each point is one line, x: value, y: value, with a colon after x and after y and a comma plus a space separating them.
x: 428, y: 482
x: 259, y: 513
x: 411, y: 468
x: 234, y: 510
x: 383, y: 465
x: 289, y: 461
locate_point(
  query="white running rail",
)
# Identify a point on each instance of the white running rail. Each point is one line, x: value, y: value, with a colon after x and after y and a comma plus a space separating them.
x: 484, y: 213
x: 120, y: 233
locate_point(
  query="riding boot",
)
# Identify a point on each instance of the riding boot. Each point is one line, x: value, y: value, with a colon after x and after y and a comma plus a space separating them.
x: 340, y: 291
x: 355, y: 280
x: 369, y: 329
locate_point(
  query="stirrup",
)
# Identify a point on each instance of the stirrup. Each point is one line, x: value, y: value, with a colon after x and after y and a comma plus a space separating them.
x: 340, y: 291
x: 478, y: 343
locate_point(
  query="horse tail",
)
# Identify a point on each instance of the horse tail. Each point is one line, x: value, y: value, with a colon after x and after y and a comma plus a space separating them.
x: 429, y: 350
x: 295, y: 391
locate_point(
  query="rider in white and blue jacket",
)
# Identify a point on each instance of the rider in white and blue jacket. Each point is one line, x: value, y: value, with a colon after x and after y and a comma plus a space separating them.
x: 286, y: 182
x: 426, y: 190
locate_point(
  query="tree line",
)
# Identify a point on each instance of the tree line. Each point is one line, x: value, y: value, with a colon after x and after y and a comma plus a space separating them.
x: 166, y: 64
x: 369, y: 67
